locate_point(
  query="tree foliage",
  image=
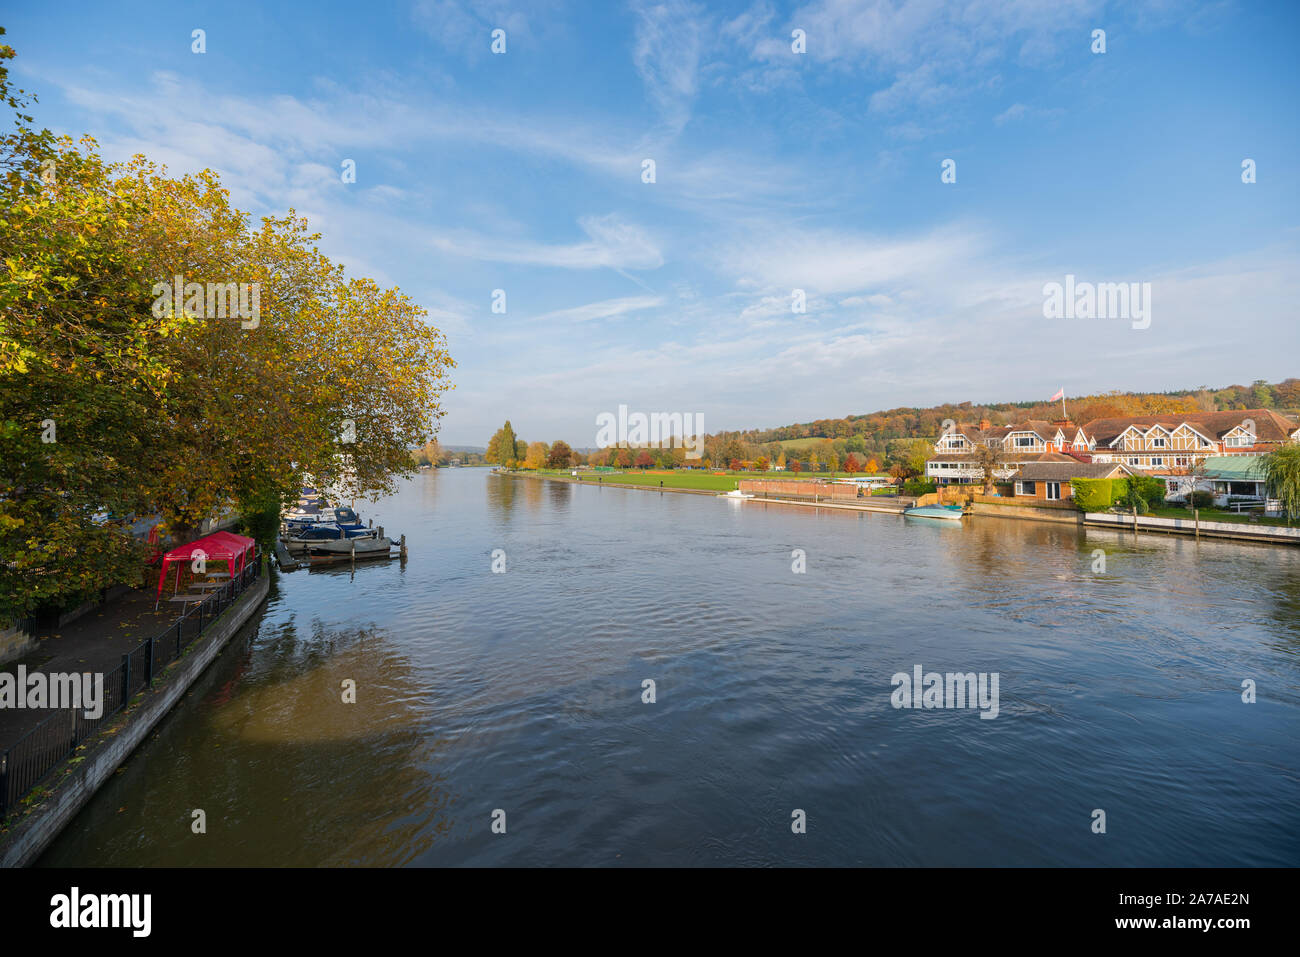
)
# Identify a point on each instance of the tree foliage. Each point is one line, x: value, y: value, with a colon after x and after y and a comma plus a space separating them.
x: 115, y: 404
x: 1281, y: 470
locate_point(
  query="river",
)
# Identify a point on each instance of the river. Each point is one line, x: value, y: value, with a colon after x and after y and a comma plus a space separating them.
x: 521, y: 691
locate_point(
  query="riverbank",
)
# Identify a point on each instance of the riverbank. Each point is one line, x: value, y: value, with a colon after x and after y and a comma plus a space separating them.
x: 1236, y: 531
x: 607, y: 481
x: 60, y: 792
x: 819, y: 493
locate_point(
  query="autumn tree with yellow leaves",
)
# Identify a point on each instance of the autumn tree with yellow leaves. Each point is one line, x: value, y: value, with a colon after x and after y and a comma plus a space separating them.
x: 115, y: 404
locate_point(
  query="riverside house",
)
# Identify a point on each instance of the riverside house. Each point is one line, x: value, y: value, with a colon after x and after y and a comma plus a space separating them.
x: 1044, y: 482
x: 1032, y: 441
x: 1162, y: 445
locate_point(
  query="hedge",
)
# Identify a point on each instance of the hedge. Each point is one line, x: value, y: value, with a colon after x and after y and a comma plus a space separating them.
x: 1097, y: 495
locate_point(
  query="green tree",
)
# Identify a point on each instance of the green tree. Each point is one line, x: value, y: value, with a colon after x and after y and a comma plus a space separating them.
x: 503, y: 447
x: 1281, y: 471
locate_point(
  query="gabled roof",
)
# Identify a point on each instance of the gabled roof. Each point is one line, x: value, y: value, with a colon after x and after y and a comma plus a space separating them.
x: 1063, y: 472
x: 1269, y: 426
x: 969, y: 431
x: 1015, y: 458
x: 1044, y: 430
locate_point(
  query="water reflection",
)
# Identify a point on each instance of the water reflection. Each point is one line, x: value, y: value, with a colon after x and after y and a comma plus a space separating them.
x: 501, y: 493
x: 523, y: 690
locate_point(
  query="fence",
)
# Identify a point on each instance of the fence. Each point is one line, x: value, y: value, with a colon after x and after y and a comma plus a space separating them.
x: 26, y: 763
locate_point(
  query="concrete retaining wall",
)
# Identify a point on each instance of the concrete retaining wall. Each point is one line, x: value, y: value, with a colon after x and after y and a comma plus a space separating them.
x: 1187, y: 526
x: 1059, y: 515
x: 14, y: 643
x: 33, y: 833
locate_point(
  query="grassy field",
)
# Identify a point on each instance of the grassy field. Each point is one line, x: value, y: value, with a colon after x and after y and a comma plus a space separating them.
x: 802, y: 445
x: 705, y: 481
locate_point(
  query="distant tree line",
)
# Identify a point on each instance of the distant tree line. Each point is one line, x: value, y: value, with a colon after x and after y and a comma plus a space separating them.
x: 895, y: 441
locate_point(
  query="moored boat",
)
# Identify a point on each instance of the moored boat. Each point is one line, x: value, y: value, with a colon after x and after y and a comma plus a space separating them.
x: 948, y: 512
x: 310, y: 516
x: 329, y: 531
x: 350, y: 548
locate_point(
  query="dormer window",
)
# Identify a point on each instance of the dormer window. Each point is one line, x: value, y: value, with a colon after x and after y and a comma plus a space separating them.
x: 1158, y: 443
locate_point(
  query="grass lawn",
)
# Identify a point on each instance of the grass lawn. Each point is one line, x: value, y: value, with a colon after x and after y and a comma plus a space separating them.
x: 706, y: 481
x: 1215, y: 515
x: 682, y: 478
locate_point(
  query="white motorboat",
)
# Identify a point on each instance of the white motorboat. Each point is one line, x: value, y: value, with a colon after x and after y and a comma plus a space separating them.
x: 345, y: 548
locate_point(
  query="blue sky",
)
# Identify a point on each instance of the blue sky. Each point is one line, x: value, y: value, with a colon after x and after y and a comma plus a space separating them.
x: 775, y: 171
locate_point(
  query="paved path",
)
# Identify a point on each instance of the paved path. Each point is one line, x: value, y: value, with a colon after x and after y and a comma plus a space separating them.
x: 95, y: 642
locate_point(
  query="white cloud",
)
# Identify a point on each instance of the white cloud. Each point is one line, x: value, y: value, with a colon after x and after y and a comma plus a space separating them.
x: 605, y: 309
x: 613, y: 243
x: 1015, y: 111
x: 666, y: 53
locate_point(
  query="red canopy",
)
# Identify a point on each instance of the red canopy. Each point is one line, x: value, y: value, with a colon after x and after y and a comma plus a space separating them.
x: 218, y: 547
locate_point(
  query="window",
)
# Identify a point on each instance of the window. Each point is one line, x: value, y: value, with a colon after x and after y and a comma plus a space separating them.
x: 1024, y: 441
x: 1026, y: 488
x: 1158, y: 460
x: 1053, y: 491
x: 1158, y: 443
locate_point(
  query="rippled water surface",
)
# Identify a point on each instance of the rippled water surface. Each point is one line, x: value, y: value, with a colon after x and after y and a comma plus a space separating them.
x: 1119, y: 690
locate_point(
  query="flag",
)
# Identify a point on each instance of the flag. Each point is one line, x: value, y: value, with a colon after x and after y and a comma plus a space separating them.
x: 1060, y: 394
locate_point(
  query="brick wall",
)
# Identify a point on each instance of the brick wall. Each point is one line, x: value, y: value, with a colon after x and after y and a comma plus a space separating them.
x: 796, y: 489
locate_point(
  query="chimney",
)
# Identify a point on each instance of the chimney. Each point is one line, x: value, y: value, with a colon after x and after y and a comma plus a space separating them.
x: 985, y: 425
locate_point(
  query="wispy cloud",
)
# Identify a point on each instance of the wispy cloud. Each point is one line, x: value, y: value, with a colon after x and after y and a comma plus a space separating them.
x: 666, y: 52
x: 605, y: 309
x: 613, y: 243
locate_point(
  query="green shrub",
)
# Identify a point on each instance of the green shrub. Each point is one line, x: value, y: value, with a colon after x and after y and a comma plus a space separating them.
x: 1200, y: 499
x: 1094, y: 495
x: 1149, y: 488
x: 917, y: 488
x: 1135, y: 496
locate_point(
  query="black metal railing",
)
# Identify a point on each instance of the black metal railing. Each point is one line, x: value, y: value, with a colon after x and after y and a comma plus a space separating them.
x: 25, y: 763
